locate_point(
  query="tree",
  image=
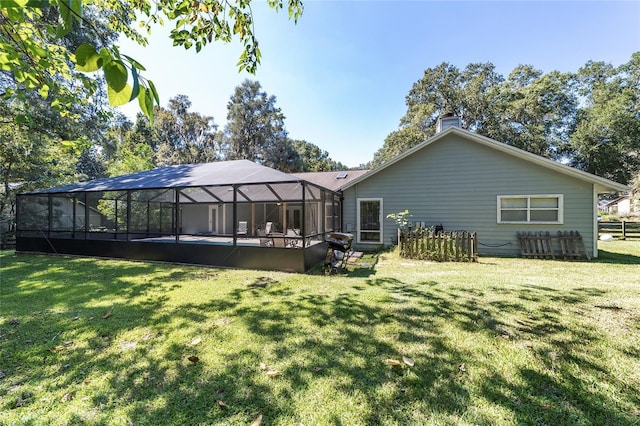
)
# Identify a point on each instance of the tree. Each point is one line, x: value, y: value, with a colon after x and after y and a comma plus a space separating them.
x: 184, y: 137
x: 539, y: 111
x: 606, y: 140
x: 75, y: 134
x: 398, y: 142
x: 255, y: 128
x: 313, y: 158
x: 178, y: 136
x: 529, y: 109
x: 34, y: 50
x: 473, y: 94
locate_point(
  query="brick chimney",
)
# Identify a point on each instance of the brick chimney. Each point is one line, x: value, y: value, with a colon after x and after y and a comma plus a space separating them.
x: 447, y: 120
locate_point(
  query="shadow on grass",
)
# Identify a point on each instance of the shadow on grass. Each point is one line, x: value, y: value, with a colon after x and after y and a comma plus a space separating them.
x: 605, y: 256
x: 341, y: 337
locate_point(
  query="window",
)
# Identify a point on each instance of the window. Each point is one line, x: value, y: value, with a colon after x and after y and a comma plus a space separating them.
x: 370, y: 220
x: 530, y: 209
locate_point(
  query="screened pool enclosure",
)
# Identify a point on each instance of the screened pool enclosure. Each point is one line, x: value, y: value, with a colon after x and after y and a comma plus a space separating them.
x: 229, y: 213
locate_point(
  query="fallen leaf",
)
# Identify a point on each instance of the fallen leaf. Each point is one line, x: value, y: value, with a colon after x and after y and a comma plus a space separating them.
x: 193, y: 358
x: 195, y: 342
x: 20, y: 402
x: 68, y: 343
x: 257, y: 421
x: 68, y: 396
x: 86, y: 382
x: 408, y: 361
x: 392, y: 362
x: 462, y: 368
x: 107, y: 314
x: 263, y: 366
x: 222, y: 403
x: 57, y: 348
x: 273, y: 373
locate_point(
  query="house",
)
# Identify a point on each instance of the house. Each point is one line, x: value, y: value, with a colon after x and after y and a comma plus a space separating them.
x: 227, y: 213
x: 241, y: 214
x: 464, y: 181
x: 621, y: 206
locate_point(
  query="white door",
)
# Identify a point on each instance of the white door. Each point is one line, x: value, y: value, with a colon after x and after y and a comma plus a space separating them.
x: 213, y: 219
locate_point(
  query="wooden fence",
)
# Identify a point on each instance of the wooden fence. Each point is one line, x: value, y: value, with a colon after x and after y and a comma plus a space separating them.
x: 622, y: 230
x: 424, y: 243
x: 539, y: 245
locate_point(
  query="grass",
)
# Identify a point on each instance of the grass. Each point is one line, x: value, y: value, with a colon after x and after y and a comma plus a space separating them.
x: 504, y: 341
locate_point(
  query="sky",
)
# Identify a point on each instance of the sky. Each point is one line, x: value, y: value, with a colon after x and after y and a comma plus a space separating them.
x: 341, y: 74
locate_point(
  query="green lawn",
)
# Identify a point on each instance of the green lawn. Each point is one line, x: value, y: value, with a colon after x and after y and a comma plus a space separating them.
x: 502, y: 341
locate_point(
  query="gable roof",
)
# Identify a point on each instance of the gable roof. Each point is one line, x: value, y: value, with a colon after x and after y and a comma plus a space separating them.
x: 601, y: 184
x: 330, y: 180
x: 219, y: 173
x: 616, y: 201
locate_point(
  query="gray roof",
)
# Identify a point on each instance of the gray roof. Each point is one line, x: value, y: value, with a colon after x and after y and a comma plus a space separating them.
x: 330, y: 180
x: 237, y: 172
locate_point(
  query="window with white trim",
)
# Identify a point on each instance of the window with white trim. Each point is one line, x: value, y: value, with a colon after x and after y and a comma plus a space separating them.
x: 544, y: 209
x: 370, y: 220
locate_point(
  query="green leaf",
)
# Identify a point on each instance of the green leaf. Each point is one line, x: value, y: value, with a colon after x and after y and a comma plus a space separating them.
x: 154, y: 92
x: 145, y: 100
x: 15, y: 3
x: 44, y: 91
x: 87, y: 59
x: 136, y: 84
x: 66, y: 18
x: 105, y: 54
x: 134, y: 63
x: 121, y: 97
x: 38, y: 4
x: 116, y: 75
x: 37, y: 50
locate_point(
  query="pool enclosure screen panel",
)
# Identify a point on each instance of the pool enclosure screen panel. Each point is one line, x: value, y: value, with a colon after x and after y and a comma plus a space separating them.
x: 225, y: 213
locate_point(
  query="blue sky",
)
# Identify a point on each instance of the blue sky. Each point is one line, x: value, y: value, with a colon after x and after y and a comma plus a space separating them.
x: 341, y: 74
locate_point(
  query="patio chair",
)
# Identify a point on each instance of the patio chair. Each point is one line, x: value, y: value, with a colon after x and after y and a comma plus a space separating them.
x: 242, y: 229
x: 264, y: 240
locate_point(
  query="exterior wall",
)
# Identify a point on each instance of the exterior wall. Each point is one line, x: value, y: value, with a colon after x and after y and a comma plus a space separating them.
x: 265, y: 258
x: 455, y: 182
x: 624, y: 206
x: 195, y: 218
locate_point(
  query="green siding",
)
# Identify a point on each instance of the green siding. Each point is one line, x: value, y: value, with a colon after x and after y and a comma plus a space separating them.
x: 455, y: 182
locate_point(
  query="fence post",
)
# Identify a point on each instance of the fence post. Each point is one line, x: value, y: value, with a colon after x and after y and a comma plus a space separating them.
x: 624, y: 229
